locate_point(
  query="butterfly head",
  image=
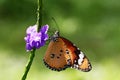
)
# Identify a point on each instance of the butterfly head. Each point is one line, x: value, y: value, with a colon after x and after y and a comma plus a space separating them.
x: 55, y: 36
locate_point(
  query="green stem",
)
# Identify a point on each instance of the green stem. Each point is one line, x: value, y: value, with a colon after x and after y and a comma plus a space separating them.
x: 27, y: 68
x: 32, y: 55
x: 39, y: 14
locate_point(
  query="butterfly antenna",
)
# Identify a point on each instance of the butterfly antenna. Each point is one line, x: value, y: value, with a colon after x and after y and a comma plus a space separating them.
x: 56, y: 23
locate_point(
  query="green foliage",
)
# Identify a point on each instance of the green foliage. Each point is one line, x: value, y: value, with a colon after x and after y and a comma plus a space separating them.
x: 94, y: 26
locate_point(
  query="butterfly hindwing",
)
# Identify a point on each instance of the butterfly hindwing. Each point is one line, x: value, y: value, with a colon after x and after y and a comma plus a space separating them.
x: 78, y: 58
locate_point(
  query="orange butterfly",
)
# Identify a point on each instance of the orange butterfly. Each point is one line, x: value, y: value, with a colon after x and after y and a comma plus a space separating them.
x: 62, y: 53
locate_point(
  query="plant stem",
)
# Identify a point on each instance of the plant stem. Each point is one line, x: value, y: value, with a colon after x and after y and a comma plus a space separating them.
x: 27, y: 68
x: 32, y: 54
x: 39, y: 14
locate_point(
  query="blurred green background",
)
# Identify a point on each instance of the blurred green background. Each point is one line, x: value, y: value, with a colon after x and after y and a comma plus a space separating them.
x: 93, y: 25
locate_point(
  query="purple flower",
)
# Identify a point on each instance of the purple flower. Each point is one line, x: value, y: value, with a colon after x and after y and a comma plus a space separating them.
x: 36, y: 39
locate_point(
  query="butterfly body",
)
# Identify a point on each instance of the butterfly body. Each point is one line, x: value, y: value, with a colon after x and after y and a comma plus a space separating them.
x: 61, y: 54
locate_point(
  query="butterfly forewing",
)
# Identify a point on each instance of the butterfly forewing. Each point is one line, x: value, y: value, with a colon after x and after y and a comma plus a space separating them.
x: 70, y: 49
x: 55, y: 57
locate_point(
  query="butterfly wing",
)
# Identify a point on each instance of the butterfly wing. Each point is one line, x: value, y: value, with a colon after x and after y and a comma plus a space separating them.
x: 78, y: 58
x: 55, y: 57
x: 62, y: 53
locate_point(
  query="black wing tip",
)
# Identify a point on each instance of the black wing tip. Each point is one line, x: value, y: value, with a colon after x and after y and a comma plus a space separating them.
x: 55, y: 69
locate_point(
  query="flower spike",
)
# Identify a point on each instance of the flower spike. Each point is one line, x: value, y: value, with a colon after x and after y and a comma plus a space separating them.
x: 36, y: 39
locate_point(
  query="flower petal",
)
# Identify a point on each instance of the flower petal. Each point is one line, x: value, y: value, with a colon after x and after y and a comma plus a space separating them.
x: 27, y: 38
x: 44, y: 36
x: 32, y: 29
x: 37, y: 44
x: 36, y: 39
x: 42, y: 43
x: 44, y: 29
x: 28, y: 47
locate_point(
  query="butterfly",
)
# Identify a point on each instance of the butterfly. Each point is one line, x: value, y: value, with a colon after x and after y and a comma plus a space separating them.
x: 62, y: 53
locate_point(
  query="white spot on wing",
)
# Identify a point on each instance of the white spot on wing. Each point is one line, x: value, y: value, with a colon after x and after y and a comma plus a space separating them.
x: 75, y: 66
x: 78, y: 49
x: 74, y: 45
x: 81, y: 56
